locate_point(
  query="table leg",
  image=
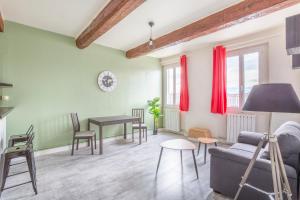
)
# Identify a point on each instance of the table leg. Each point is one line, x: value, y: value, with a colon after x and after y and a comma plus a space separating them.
x: 161, y: 151
x: 132, y: 135
x: 125, y: 131
x: 89, y: 127
x: 205, y: 149
x: 100, y: 140
x: 196, y: 169
x: 216, y: 144
x: 181, y: 157
x: 92, y: 146
x: 88, y: 139
x: 199, y: 148
x: 140, y: 133
x: 73, y: 143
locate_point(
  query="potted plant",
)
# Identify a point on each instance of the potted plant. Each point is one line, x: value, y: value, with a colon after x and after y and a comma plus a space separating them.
x: 154, y: 109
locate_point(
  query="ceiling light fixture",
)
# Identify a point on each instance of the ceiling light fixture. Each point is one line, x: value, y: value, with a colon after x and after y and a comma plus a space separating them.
x: 151, y: 42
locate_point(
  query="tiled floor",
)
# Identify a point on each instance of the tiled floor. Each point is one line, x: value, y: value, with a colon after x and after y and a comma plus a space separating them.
x: 126, y: 171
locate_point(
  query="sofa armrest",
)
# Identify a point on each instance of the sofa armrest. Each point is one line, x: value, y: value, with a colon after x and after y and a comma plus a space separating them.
x: 260, y: 164
x: 252, y: 138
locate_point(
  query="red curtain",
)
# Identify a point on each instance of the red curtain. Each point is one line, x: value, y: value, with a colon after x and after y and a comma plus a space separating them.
x: 219, y: 96
x: 184, y: 88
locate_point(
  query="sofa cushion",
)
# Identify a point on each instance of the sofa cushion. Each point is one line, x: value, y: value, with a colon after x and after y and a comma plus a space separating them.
x: 288, y: 136
x: 252, y: 138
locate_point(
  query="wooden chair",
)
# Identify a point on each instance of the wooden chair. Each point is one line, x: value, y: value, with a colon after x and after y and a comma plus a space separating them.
x: 14, y: 139
x: 78, y: 135
x: 14, y: 152
x: 139, y: 112
x: 203, y: 136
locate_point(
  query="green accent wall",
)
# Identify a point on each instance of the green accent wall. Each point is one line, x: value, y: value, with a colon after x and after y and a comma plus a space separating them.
x: 52, y: 78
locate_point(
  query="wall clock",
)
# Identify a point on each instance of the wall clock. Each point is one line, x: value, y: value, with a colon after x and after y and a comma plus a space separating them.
x: 107, y: 81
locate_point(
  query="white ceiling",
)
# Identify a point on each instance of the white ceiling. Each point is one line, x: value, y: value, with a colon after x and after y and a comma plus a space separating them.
x: 67, y: 17
x: 168, y: 15
x: 70, y: 17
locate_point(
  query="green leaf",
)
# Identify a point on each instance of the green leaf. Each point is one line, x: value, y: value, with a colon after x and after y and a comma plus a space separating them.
x: 154, y: 107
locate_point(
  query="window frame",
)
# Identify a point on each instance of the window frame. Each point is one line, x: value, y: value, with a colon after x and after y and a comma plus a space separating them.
x: 165, y: 68
x: 263, y: 70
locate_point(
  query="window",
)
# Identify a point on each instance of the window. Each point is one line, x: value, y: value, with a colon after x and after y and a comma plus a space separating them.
x: 172, y: 85
x: 245, y: 68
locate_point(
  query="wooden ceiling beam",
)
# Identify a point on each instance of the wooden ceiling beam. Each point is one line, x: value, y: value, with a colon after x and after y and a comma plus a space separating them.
x: 114, y: 12
x: 1, y: 23
x: 236, y: 14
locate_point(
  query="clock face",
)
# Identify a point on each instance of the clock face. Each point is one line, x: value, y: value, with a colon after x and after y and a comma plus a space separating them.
x: 107, y: 81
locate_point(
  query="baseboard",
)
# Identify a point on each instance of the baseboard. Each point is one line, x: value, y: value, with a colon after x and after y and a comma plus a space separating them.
x: 55, y: 150
x: 69, y: 147
x: 83, y: 144
x: 170, y: 131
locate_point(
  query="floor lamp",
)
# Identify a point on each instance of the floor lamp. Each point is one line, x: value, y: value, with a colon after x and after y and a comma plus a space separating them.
x: 276, y: 97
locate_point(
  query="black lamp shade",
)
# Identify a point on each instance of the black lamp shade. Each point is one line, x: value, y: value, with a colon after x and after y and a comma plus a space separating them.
x: 274, y: 97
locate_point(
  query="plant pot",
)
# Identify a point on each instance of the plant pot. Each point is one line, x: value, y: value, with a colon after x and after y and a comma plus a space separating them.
x: 154, y: 127
x: 154, y: 131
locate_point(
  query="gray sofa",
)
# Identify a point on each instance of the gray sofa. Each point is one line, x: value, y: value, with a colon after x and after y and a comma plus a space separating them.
x: 228, y: 165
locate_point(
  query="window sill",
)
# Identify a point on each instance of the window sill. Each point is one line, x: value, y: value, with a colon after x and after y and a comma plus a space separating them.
x: 231, y: 110
x: 172, y: 106
x: 238, y: 111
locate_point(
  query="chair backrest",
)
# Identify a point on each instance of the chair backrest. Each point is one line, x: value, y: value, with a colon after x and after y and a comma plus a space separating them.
x: 75, y: 122
x: 30, y: 139
x: 199, y: 132
x: 29, y: 130
x: 139, y: 112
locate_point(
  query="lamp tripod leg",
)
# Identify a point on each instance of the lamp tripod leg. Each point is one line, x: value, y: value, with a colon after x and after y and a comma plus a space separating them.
x: 249, y: 168
x: 279, y: 177
x: 273, y: 168
x: 278, y: 172
x: 286, y: 186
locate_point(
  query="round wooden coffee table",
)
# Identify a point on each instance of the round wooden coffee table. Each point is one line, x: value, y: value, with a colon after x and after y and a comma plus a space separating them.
x: 178, y: 145
x: 206, y: 141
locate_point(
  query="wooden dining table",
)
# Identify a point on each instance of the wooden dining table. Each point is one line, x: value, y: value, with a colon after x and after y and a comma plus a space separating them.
x: 112, y: 120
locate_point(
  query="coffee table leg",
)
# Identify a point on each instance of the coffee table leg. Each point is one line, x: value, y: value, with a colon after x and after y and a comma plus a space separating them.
x: 161, y: 151
x: 195, y: 163
x: 205, y: 149
x: 199, y: 148
x: 125, y: 131
x: 100, y: 140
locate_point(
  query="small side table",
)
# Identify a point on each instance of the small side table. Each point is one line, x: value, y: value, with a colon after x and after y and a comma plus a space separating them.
x: 180, y: 145
x: 206, y: 141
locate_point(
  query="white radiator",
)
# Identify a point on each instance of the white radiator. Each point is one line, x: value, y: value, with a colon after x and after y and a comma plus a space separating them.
x: 172, y: 119
x: 237, y: 123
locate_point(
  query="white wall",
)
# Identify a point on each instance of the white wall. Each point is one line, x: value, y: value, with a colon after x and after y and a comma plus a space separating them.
x: 200, y: 87
x: 200, y: 81
x: 281, y: 71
